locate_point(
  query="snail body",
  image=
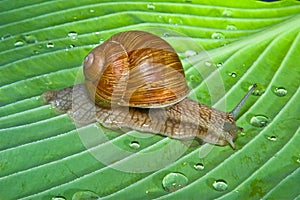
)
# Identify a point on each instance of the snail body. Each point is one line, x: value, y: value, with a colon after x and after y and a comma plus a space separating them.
x: 135, y: 80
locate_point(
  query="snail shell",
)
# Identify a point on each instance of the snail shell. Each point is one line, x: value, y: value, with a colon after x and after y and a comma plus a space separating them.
x: 135, y: 69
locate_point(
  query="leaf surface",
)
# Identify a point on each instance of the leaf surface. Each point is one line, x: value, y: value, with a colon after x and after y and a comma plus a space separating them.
x: 225, y: 47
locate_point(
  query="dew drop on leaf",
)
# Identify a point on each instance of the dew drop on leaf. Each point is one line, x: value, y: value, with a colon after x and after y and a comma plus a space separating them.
x: 220, y: 185
x: 208, y: 63
x: 194, y: 78
x: 165, y: 35
x: 219, y: 65
x: 50, y: 45
x: 189, y: 53
x: 199, y: 166
x: 19, y: 43
x: 231, y: 27
x: 227, y: 13
x: 174, y: 181
x: 175, y: 21
x: 134, y: 145
x: 280, y: 91
x: 272, y: 138
x: 6, y: 36
x: 58, y: 198
x: 71, y: 46
x: 232, y: 74
x: 151, y: 6
x: 218, y: 36
x: 30, y: 39
x: 259, y: 121
x: 73, y: 35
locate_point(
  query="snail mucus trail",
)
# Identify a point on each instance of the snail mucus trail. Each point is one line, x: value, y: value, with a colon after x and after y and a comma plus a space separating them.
x: 135, y: 80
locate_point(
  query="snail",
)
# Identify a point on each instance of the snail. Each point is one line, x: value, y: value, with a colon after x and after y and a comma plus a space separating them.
x: 135, y: 80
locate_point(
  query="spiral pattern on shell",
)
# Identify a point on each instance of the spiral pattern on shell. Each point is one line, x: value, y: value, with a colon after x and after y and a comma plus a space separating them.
x: 136, y: 69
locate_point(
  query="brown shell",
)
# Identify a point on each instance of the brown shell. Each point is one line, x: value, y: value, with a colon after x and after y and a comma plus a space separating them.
x: 136, y: 69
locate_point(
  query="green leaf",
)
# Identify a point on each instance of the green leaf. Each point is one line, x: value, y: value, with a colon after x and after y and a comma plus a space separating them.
x: 225, y: 47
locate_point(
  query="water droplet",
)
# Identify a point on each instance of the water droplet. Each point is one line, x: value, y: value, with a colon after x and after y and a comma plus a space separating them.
x: 258, y: 91
x: 227, y: 13
x: 199, y: 166
x: 85, y: 195
x: 175, y: 21
x: 231, y: 27
x: 218, y: 36
x: 242, y: 133
x: 194, y: 78
x: 225, y: 43
x: 6, y: 36
x: 208, y: 63
x: 30, y: 39
x: 73, y: 35
x: 189, y: 53
x: 36, y: 52
x: 219, y: 65
x: 259, y: 121
x: 151, y: 6
x: 50, y: 45
x: 184, y: 164
x: 174, y: 181
x: 134, y: 144
x: 92, y: 10
x: 220, y: 185
x: 58, y: 198
x: 166, y: 35
x: 280, y: 91
x: 232, y: 74
x: 71, y: 46
x: 272, y: 138
x: 298, y: 160
x: 19, y: 43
